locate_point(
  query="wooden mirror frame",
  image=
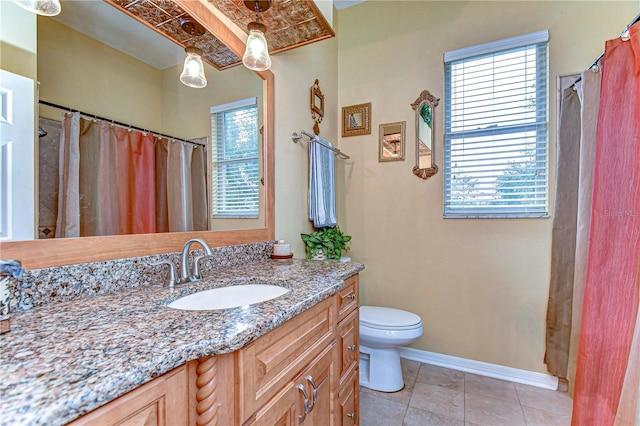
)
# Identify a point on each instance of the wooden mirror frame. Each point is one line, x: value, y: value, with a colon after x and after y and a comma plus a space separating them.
x: 67, y: 251
x: 425, y: 98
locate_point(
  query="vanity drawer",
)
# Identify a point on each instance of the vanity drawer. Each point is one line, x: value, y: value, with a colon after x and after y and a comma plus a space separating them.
x: 348, y: 297
x: 266, y: 365
x: 348, y: 346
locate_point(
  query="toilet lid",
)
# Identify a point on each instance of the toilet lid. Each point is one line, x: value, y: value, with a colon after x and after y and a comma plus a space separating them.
x: 388, y: 318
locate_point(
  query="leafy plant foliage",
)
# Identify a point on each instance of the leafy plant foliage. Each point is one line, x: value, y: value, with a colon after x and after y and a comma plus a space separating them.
x: 330, y: 240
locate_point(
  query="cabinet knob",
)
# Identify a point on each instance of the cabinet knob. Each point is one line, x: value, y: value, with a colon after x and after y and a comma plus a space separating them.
x: 352, y: 416
x: 351, y: 296
x: 352, y: 348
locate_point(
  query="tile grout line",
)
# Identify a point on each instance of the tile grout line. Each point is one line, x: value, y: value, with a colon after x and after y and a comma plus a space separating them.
x: 524, y: 416
x: 464, y: 398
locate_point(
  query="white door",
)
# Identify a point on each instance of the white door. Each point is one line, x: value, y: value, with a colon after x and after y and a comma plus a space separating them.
x: 17, y: 141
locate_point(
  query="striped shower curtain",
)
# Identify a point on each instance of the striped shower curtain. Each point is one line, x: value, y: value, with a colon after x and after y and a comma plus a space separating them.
x: 114, y: 181
x: 608, y: 368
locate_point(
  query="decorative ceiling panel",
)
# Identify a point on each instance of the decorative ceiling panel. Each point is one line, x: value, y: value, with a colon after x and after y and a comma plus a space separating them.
x: 290, y: 23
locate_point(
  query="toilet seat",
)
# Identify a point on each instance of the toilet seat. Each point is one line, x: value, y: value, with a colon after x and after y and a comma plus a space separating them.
x: 382, y: 318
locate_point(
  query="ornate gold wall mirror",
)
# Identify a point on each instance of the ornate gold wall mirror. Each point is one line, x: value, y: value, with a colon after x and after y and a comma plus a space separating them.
x: 424, y: 108
x: 54, y: 252
x: 317, y: 106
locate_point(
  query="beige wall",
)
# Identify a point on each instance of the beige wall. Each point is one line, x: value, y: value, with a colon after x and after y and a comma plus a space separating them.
x: 295, y: 71
x: 17, y: 40
x: 79, y: 72
x: 480, y: 286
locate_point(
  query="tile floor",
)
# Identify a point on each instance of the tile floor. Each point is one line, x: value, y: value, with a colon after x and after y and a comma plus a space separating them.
x: 439, y: 396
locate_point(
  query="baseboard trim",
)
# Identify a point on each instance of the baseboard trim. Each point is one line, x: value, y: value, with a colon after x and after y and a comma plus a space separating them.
x: 516, y: 375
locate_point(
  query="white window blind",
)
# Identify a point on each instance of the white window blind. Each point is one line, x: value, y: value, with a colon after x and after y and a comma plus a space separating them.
x: 235, y: 180
x: 495, y: 142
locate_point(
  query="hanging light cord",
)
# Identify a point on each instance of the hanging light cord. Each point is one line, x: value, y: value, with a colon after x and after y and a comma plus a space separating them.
x: 257, y: 11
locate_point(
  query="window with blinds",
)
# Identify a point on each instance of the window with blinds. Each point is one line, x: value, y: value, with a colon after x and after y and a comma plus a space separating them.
x: 235, y: 180
x: 495, y: 142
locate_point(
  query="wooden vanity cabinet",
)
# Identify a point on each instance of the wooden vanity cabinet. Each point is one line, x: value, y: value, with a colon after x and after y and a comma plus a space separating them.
x: 270, y: 381
x: 268, y: 364
x: 347, y: 410
x: 162, y: 401
x: 348, y: 400
x: 297, y: 403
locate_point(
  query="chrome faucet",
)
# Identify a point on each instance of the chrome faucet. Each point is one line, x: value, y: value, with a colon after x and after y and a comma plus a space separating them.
x: 185, y: 275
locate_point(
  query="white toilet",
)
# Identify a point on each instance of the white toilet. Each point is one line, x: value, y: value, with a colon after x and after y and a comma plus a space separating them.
x: 382, y: 331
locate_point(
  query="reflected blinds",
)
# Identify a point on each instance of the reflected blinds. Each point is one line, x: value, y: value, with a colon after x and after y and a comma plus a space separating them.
x: 495, y: 144
x: 235, y: 172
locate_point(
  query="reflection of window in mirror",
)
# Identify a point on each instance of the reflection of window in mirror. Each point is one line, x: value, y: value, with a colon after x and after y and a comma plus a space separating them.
x: 235, y: 178
x: 424, y: 137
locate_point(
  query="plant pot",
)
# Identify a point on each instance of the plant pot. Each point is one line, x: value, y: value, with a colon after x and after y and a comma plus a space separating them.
x: 318, y: 255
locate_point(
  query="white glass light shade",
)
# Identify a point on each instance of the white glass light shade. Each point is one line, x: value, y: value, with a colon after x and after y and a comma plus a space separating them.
x: 193, y: 70
x: 256, y: 56
x: 41, y: 7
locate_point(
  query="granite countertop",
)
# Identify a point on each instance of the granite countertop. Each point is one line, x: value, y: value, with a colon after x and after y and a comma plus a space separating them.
x: 64, y: 360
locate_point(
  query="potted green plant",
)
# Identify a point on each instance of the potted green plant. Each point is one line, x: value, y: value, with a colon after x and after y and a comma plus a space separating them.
x: 328, y: 242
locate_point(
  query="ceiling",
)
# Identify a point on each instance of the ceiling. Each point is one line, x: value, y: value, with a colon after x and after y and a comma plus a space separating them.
x: 160, y: 41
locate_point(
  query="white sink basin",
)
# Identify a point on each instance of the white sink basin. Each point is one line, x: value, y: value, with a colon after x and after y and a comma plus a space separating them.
x: 228, y: 297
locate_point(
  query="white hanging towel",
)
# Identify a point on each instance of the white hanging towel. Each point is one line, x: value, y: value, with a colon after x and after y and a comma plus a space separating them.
x: 322, y: 183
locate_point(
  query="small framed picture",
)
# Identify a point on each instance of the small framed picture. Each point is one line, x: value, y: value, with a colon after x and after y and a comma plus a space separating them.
x: 391, y: 143
x: 356, y: 120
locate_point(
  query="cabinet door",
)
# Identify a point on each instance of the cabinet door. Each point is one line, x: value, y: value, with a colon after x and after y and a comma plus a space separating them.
x: 320, y: 383
x: 298, y: 404
x: 282, y: 410
x: 348, y: 409
x: 268, y: 364
x: 348, y: 346
x: 163, y: 401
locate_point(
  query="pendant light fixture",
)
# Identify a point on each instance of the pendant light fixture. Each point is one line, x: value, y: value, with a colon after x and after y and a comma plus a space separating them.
x: 41, y: 7
x: 256, y: 56
x: 193, y: 70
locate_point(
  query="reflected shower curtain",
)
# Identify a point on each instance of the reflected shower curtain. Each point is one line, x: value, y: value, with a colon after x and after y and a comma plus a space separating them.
x: 135, y: 165
x: 88, y: 189
x: 606, y: 390
x: 113, y: 180
x: 186, y: 187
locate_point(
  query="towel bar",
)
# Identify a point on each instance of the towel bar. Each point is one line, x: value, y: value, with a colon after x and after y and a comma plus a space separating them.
x: 309, y: 138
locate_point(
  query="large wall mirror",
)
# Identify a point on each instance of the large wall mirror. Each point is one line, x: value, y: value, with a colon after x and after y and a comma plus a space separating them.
x: 85, y: 73
x: 424, y: 108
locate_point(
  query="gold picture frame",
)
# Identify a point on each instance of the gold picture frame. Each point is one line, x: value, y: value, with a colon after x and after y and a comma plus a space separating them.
x: 317, y: 99
x: 356, y: 120
x: 391, y: 146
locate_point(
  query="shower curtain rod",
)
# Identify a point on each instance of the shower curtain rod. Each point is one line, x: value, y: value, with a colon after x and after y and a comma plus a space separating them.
x: 309, y: 138
x: 128, y: 126
x: 594, y: 63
